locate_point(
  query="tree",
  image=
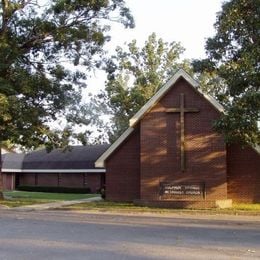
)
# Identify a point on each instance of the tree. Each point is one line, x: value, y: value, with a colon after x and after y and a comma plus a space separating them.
x: 35, y: 86
x: 133, y: 76
x: 233, y: 54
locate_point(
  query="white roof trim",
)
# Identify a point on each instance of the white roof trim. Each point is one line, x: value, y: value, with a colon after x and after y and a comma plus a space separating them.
x: 10, y: 170
x: 162, y: 91
x: 100, y: 161
x: 54, y: 170
x: 257, y: 148
x: 149, y: 105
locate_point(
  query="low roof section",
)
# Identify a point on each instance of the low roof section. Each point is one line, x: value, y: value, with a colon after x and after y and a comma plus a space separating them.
x: 72, y: 159
x: 12, y: 161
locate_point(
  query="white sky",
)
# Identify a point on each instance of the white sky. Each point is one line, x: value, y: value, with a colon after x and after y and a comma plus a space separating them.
x: 189, y: 22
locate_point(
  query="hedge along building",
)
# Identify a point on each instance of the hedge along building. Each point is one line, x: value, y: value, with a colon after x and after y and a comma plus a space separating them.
x: 171, y: 156
x: 72, y: 168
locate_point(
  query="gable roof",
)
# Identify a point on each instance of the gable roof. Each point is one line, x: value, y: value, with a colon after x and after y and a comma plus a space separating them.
x: 257, y: 148
x: 75, y: 159
x: 150, y: 104
x: 6, y: 150
x: 165, y: 88
x: 12, y: 161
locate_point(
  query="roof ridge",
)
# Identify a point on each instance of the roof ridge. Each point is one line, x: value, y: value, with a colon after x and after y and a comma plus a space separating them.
x: 165, y: 88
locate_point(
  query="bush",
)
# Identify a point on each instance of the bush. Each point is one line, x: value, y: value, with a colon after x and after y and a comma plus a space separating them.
x: 54, y: 189
x: 103, y: 192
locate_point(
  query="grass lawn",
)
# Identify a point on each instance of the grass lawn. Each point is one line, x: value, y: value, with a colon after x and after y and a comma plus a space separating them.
x: 130, y: 207
x: 247, y: 207
x: 107, y: 206
x: 22, y: 198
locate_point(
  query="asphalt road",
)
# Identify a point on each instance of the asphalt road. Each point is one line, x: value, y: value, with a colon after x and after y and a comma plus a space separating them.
x: 70, y: 235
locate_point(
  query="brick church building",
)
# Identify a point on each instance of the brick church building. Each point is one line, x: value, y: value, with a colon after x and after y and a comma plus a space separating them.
x: 171, y: 156
x: 70, y: 168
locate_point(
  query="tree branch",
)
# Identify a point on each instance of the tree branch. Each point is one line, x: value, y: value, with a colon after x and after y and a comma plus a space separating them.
x: 8, y: 11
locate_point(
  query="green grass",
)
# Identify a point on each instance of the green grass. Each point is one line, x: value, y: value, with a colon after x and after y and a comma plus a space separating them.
x: 23, y: 198
x: 113, y: 206
x: 247, y: 207
x: 122, y: 207
x: 21, y: 202
x: 130, y: 207
x: 46, y: 195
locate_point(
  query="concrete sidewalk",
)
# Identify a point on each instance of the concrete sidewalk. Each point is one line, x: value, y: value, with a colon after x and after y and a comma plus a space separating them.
x: 55, y: 205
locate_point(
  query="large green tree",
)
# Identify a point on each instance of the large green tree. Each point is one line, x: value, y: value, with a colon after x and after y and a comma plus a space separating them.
x: 36, y: 41
x: 234, y: 55
x: 134, y: 75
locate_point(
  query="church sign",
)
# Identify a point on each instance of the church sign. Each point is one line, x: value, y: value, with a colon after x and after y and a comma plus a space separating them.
x: 168, y: 189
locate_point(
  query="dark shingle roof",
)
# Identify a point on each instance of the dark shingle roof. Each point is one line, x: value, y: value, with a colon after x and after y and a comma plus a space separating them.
x: 76, y: 157
x: 12, y: 161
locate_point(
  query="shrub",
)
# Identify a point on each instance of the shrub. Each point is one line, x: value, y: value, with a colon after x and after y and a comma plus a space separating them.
x: 103, y: 192
x: 54, y: 189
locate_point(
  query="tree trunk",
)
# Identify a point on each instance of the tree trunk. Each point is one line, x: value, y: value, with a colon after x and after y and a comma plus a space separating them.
x: 1, y: 177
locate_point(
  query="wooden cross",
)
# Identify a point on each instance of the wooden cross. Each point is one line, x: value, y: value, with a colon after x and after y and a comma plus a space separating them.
x: 182, y: 110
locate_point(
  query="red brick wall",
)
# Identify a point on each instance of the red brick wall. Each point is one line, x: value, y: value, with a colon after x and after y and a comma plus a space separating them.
x: 243, y: 174
x: 123, y: 170
x: 26, y: 179
x: 47, y: 179
x: 160, y: 146
x: 93, y: 181
x: 71, y: 180
x: 8, y: 181
x: 90, y: 180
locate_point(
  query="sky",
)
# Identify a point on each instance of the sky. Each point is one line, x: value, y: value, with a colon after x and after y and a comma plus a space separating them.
x: 189, y: 22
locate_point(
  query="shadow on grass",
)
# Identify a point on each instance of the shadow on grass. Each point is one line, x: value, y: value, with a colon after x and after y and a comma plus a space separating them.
x: 105, y: 206
x: 21, y: 198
